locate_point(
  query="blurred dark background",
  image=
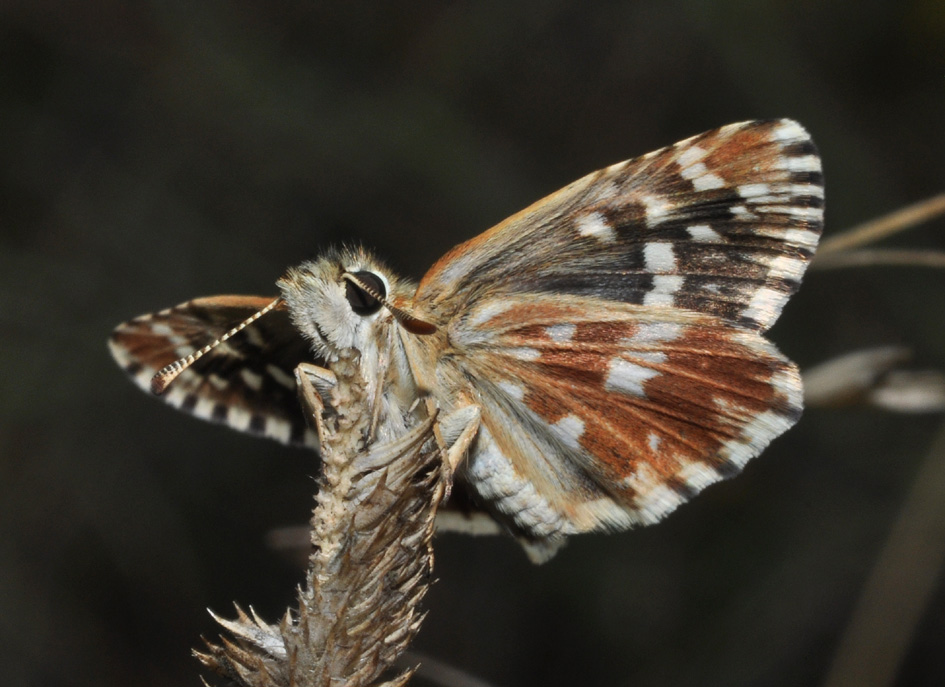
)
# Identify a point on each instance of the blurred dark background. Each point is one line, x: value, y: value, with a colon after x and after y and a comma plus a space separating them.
x: 156, y: 151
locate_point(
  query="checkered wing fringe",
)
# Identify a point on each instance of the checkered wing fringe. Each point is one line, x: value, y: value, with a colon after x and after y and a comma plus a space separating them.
x: 370, y: 567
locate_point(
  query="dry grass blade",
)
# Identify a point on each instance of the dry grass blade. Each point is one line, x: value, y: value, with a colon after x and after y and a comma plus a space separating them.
x: 848, y: 378
x: 872, y: 376
x: 880, y: 228
x: 904, y: 575
x: 883, y: 258
x: 371, y: 564
x: 899, y: 586
x: 910, y: 391
x: 439, y: 673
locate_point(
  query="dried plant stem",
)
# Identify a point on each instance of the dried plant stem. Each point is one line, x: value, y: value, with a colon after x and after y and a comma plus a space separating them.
x: 883, y: 258
x: 898, y: 588
x: 873, y: 376
x: 887, y: 225
x: 440, y: 673
x: 912, y: 559
x: 371, y: 561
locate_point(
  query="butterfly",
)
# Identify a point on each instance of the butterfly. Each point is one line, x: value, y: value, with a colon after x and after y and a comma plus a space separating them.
x: 611, y: 335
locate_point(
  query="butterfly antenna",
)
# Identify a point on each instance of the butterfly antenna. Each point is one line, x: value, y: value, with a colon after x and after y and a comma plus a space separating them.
x: 169, y: 373
x: 411, y: 323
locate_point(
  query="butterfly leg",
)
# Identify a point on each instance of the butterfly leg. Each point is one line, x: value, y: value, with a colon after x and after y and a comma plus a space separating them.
x: 457, y: 430
x: 314, y: 384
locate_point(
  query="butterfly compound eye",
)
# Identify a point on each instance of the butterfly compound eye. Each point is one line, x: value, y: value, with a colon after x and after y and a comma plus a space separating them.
x: 362, y: 302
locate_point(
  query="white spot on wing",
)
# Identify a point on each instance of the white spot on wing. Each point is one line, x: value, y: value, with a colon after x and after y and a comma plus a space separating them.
x: 525, y: 353
x: 659, y: 257
x: 217, y: 382
x: 629, y: 377
x: 784, y: 267
x: 707, y: 182
x: 251, y: 379
x: 804, y: 163
x: 765, y: 306
x: 698, y: 476
x: 741, y: 212
x: 642, y: 479
x: 811, y: 214
x: 814, y: 190
x: 162, y: 329
x: 755, y: 436
x: 657, y: 209
x: 789, y: 130
x: 653, y: 498
x: 254, y: 336
x: 801, y: 237
x: 278, y: 374
x: 655, y: 357
x: 700, y: 176
x: 664, y: 288
x: 690, y: 156
x: 144, y: 376
x: 752, y: 191
x: 653, y: 441
x: 280, y: 430
x: 238, y: 418
x: 175, y: 397
x: 655, y: 332
x: 703, y: 232
x: 204, y: 408
x: 569, y: 430
x: 788, y: 385
x: 512, y: 390
x: 658, y: 501
x: 597, y: 226
x: 560, y: 332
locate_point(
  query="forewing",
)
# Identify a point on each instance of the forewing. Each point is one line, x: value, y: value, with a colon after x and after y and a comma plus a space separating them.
x: 614, y: 414
x: 723, y: 223
x: 247, y: 382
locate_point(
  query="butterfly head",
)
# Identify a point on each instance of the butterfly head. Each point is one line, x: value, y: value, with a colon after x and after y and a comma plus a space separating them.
x: 345, y: 299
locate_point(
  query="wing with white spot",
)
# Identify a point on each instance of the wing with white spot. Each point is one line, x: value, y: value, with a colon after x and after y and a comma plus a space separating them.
x: 600, y: 415
x: 247, y: 383
x: 723, y: 223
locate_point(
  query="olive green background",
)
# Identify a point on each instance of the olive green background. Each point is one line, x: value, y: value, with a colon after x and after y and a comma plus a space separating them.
x: 152, y: 152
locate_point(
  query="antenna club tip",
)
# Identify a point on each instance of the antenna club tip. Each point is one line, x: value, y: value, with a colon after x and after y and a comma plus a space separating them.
x: 418, y: 326
x: 164, y: 376
x: 167, y: 374
x: 159, y: 383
